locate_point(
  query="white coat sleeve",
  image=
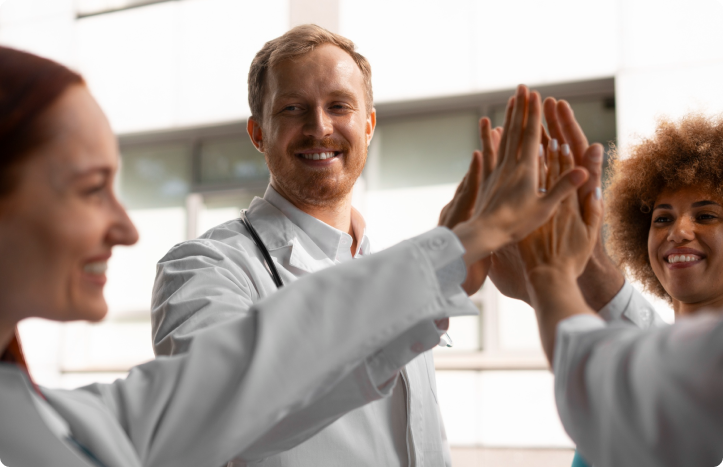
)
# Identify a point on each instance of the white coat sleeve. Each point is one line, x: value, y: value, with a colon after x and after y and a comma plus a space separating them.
x: 266, y: 373
x: 629, y: 397
x: 630, y: 306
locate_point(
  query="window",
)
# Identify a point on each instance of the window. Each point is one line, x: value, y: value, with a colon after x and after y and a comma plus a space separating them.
x: 96, y: 7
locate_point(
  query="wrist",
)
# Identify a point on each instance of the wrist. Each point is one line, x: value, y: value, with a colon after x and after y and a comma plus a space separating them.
x: 541, y: 278
x: 601, y: 280
x: 479, y: 239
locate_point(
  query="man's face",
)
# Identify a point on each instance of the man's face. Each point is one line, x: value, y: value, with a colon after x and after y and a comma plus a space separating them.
x: 315, y: 128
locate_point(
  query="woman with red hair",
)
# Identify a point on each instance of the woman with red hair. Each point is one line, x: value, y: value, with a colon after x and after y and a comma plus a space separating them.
x: 60, y: 219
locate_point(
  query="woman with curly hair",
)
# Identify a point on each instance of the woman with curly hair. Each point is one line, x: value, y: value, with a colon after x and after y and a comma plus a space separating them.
x: 665, y: 213
x: 629, y: 396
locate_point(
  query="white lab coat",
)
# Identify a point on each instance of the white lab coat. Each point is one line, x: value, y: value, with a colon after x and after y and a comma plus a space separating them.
x: 242, y: 379
x: 642, y: 397
x: 220, y: 275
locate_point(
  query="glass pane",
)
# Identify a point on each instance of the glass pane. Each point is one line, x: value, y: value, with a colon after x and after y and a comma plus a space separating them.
x: 423, y: 151
x: 231, y: 161
x: 222, y: 207
x: 595, y: 116
x: 156, y: 176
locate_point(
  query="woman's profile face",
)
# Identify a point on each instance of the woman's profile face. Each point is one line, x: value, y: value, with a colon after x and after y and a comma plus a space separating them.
x: 685, y: 245
x: 59, y: 224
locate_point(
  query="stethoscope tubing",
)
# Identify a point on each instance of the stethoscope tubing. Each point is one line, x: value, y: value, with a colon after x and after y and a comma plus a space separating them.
x: 270, y: 266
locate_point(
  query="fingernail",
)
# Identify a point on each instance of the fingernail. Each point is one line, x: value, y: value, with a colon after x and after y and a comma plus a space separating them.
x: 542, y: 150
x: 598, y: 193
x: 554, y: 145
x: 595, y: 156
x: 565, y: 149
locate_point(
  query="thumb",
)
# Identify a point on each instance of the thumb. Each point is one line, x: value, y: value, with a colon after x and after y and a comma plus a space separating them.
x: 565, y: 185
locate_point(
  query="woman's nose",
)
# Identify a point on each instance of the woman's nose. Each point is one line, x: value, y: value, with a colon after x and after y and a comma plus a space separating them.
x: 682, y: 230
x: 122, y: 231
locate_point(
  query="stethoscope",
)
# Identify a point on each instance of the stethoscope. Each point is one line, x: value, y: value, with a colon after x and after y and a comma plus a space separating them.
x: 270, y: 266
x: 445, y: 340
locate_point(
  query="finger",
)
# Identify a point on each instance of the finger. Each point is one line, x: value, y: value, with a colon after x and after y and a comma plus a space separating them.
x: 571, y: 130
x: 567, y: 183
x: 553, y: 124
x: 542, y: 167
x: 544, y: 137
x: 592, y: 214
x: 442, y: 324
x: 592, y: 161
x: 516, y: 127
x: 553, y: 162
x: 488, y: 154
x: 505, y: 129
x: 566, y: 160
x: 496, y: 138
x: 531, y: 136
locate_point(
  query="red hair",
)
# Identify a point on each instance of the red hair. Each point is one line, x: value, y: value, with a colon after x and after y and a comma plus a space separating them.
x: 28, y: 86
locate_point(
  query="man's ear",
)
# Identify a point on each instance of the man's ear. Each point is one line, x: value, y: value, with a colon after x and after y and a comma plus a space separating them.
x: 371, y: 125
x: 253, y: 128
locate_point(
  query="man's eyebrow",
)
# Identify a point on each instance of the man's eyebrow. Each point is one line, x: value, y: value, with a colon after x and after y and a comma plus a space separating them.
x: 297, y: 95
x: 663, y: 206
x: 345, y: 94
x: 705, y: 202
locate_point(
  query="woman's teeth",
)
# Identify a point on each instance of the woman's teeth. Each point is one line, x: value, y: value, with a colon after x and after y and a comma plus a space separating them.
x: 97, y: 268
x: 682, y: 258
x: 319, y: 156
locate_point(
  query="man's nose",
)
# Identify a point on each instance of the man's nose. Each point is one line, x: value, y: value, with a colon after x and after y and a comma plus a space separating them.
x: 682, y: 230
x: 318, y: 124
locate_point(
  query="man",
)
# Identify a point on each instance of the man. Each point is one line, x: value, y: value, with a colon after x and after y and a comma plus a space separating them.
x: 312, y: 118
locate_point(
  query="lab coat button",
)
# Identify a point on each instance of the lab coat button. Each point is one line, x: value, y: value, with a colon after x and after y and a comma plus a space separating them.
x: 437, y: 243
x: 418, y: 348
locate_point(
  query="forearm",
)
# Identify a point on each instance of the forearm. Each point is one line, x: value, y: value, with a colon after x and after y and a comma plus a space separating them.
x: 601, y: 280
x: 555, y: 296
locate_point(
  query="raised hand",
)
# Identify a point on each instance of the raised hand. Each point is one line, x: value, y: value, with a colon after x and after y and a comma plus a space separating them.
x: 555, y: 254
x: 601, y: 279
x: 462, y: 205
x: 509, y: 205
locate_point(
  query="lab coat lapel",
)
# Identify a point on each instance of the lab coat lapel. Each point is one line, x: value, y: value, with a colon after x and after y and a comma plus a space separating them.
x: 21, y: 427
x: 94, y: 427
x: 277, y: 231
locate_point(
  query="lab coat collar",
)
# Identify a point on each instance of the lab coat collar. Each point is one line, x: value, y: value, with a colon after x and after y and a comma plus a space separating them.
x: 314, y: 245
x: 278, y: 232
x: 333, y: 242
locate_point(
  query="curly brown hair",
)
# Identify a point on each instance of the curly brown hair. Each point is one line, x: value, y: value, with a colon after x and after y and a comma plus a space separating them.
x: 680, y: 154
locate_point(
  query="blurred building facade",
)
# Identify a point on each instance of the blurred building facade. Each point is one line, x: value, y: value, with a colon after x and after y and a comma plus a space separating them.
x: 171, y: 75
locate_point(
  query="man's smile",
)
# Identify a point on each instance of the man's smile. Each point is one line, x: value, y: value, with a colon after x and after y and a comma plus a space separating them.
x: 319, y: 156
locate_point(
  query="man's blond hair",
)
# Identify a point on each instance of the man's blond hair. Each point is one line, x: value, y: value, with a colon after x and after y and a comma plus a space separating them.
x: 295, y: 43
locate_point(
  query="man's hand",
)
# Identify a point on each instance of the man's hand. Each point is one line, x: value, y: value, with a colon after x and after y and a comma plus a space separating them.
x: 509, y: 205
x: 462, y: 205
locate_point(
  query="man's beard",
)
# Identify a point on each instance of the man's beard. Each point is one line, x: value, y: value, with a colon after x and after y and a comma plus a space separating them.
x: 318, y: 186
